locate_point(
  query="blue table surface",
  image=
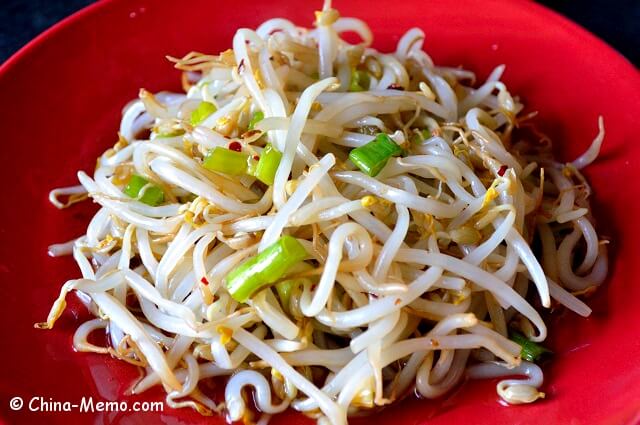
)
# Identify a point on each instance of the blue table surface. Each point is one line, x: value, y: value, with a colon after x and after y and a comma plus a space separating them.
x: 616, y: 21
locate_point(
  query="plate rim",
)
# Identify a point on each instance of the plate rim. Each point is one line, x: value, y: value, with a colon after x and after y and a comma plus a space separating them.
x: 42, y: 38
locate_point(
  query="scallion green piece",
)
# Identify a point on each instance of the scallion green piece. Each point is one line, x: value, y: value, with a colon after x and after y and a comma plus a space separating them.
x: 372, y: 157
x: 422, y: 136
x: 151, y: 195
x: 531, y: 351
x: 201, y: 113
x: 226, y: 161
x: 265, y: 268
x: 285, y: 289
x: 255, y: 119
x: 174, y: 133
x: 268, y: 165
x: 360, y: 81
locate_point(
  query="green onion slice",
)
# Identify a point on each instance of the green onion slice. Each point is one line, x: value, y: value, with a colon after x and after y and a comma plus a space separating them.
x: 531, y: 351
x: 174, y: 133
x: 360, y: 81
x: 255, y: 119
x: 264, y: 268
x: 422, y: 136
x: 267, y: 165
x: 226, y: 161
x: 285, y: 289
x: 201, y: 113
x: 372, y: 157
x: 151, y: 194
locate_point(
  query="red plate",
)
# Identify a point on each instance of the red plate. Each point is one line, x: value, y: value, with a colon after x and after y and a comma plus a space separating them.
x: 61, y: 101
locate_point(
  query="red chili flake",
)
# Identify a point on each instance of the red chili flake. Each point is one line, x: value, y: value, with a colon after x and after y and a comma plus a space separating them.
x: 241, y: 66
x: 502, y: 170
x: 256, y: 157
x: 204, y: 280
x: 235, y: 146
x: 395, y: 86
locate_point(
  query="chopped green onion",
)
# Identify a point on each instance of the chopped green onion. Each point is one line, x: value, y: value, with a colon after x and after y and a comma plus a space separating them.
x: 531, y: 351
x: 201, y: 113
x: 226, y: 161
x: 372, y: 157
x: 151, y: 194
x: 285, y: 289
x: 265, y: 268
x: 418, y: 138
x: 255, y: 119
x: 268, y: 165
x: 360, y: 81
x: 174, y: 133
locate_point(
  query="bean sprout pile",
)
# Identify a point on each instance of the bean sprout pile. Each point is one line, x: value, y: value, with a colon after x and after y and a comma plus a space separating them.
x: 329, y: 227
